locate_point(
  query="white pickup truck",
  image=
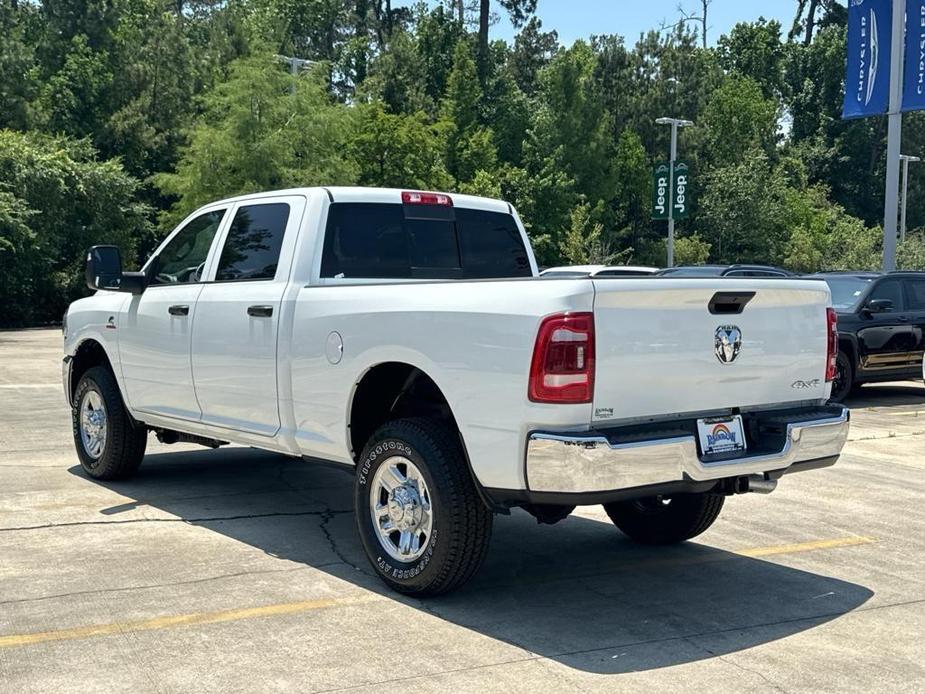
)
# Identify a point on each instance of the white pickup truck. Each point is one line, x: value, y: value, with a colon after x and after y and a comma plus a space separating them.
x: 407, y: 335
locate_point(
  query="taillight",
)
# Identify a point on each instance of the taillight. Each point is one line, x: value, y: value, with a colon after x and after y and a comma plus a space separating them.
x: 832, y: 345
x: 410, y: 197
x: 562, y: 370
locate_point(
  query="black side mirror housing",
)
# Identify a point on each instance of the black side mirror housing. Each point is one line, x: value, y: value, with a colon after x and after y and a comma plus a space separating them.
x: 879, y: 306
x: 104, y: 271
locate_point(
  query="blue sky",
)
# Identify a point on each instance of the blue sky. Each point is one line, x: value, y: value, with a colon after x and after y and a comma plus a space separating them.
x: 575, y: 19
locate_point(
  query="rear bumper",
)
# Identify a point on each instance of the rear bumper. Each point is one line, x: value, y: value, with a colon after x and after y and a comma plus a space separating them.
x: 606, y: 463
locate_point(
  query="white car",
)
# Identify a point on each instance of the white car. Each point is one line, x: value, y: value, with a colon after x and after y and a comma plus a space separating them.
x: 404, y: 335
x: 598, y: 271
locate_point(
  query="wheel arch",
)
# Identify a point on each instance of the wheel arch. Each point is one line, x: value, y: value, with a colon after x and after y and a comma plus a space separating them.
x: 392, y: 390
x: 89, y: 353
x: 848, y: 345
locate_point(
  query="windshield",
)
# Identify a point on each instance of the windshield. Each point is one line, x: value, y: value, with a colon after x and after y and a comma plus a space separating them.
x: 846, y: 291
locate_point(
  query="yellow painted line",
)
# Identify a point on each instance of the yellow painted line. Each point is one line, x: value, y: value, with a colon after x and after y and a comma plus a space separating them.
x: 806, y: 546
x: 197, y: 618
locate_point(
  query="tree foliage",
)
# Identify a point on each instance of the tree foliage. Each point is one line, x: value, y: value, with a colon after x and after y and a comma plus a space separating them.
x: 117, y: 117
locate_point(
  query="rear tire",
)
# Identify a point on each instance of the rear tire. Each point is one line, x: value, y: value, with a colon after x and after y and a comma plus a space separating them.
x: 413, y: 481
x: 110, y: 444
x: 666, y: 520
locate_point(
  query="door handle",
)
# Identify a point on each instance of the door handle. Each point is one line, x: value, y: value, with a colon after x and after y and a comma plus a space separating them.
x: 903, y: 319
x: 260, y: 311
x: 178, y: 310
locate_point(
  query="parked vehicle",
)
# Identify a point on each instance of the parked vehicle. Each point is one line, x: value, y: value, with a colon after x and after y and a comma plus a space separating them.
x: 599, y: 271
x: 724, y: 271
x: 881, y: 327
x: 403, y: 335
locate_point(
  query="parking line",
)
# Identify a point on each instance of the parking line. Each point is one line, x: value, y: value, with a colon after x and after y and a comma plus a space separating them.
x: 14, y: 640
x: 806, y: 546
x: 196, y: 618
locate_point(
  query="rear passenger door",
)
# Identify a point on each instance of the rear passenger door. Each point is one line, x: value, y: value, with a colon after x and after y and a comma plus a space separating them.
x: 236, y: 326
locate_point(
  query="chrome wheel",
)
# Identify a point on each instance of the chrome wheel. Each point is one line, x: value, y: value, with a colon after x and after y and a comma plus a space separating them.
x: 93, y: 424
x: 399, y: 503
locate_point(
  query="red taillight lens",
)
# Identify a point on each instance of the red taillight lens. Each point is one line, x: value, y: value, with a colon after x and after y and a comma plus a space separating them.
x: 832, y: 351
x: 562, y: 370
x: 411, y: 197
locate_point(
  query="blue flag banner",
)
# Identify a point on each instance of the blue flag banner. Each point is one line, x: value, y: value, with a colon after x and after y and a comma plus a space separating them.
x: 914, y: 72
x: 867, y: 84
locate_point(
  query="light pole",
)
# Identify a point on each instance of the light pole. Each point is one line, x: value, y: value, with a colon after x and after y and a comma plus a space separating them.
x: 295, y: 65
x: 675, y: 123
x: 905, y: 159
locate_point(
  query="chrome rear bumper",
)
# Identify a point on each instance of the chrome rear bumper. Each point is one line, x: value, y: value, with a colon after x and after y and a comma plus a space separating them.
x: 594, y: 462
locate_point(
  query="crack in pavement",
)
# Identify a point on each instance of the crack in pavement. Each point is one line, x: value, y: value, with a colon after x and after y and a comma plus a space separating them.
x: 209, y: 519
x: 326, y: 518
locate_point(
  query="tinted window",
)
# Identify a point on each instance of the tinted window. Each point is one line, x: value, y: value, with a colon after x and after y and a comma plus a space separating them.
x: 491, y: 245
x: 754, y: 273
x: 915, y: 293
x: 432, y: 244
x: 891, y: 290
x: 692, y: 272
x: 379, y: 240
x: 254, y: 240
x: 622, y: 273
x: 183, y: 258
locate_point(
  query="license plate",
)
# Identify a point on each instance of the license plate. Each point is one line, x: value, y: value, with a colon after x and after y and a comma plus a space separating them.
x: 721, y: 435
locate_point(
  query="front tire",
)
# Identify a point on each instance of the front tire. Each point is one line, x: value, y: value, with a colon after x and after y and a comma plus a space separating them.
x: 664, y: 520
x: 110, y: 444
x: 422, y: 523
x: 843, y: 383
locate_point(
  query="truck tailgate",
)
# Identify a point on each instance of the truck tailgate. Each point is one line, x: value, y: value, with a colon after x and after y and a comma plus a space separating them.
x: 662, y: 349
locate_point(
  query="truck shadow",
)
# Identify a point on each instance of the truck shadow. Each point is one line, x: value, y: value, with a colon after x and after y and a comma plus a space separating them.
x: 578, y: 593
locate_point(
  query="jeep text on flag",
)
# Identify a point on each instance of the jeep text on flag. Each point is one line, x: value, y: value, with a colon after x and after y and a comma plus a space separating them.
x: 665, y: 193
x: 867, y: 84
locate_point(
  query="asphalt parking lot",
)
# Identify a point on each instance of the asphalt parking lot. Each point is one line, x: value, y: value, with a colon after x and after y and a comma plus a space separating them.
x: 235, y: 570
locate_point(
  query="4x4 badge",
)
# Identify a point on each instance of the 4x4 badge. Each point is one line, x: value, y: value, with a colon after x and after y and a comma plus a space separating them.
x: 727, y: 342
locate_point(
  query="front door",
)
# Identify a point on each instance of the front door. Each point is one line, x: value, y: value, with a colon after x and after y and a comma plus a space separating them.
x: 154, y: 346
x: 885, y: 340
x: 237, y: 317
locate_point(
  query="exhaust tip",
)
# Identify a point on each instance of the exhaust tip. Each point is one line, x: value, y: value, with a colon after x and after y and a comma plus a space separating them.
x: 757, y: 484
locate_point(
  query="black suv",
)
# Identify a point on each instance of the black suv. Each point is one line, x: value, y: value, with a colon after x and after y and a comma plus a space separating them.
x: 724, y: 271
x: 881, y: 327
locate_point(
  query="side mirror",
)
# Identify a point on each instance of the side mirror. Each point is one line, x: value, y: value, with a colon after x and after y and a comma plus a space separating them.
x: 879, y: 306
x: 104, y: 271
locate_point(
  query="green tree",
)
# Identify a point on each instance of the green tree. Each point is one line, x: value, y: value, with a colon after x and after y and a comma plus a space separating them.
x: 262, y: 129
x: 755, y: 50
x: 396, y: 150
x: 691, y: 250
x: 56, y: 200
x: 632, y: 185
x: 737, y: 119
x: 533, y: 49
x: 17, y: 58
x: 572, y: 125
x: 744, y: 212
x: 469, y: 146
